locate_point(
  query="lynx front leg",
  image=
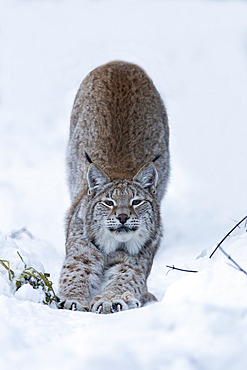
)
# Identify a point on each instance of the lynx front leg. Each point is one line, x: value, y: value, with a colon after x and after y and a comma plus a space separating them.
x: 110, y: 303
x: 125, y: 285
x: 80, y: 276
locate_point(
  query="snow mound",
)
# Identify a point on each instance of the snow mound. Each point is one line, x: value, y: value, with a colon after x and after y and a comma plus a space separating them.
x: 200, y: 323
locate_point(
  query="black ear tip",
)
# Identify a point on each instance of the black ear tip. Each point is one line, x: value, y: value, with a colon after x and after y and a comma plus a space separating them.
x: 156, y: 158
x: 88, y: 158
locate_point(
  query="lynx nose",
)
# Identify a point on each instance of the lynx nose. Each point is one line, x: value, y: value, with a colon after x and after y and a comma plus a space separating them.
x: 122, y: 218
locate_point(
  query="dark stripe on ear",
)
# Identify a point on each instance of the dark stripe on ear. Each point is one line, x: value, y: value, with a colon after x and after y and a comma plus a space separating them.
x: 156, y: 158
x: 88, y: 158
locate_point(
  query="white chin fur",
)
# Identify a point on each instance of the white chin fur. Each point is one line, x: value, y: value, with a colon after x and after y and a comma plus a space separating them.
x: 132, y: 241
x: 122, y: 237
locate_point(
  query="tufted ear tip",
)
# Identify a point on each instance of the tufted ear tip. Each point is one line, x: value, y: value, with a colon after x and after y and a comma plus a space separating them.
x: 96, y: 179
x: 88, y: 158
x: 147, y: 176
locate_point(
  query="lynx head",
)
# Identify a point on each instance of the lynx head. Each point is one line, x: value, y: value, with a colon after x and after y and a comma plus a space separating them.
x: 122, y: 214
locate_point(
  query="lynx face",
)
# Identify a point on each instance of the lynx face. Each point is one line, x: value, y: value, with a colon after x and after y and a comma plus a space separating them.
x: 123, y: 217
x: 122, y: 211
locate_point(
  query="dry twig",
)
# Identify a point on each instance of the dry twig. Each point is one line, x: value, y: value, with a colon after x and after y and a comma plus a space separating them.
x: 176, y: 268
x: 235, y: 264
x: 226, y: 236
x: 232, y: 260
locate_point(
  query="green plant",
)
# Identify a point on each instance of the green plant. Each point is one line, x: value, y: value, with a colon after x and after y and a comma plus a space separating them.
x: 33, y: 277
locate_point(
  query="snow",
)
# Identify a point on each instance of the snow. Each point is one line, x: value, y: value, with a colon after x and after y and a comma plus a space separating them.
x: 196, y: 53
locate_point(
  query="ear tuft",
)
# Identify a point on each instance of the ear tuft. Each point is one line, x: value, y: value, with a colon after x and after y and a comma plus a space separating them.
x: 96, y: 179
x: 88, y: 158
x: 147, y: 176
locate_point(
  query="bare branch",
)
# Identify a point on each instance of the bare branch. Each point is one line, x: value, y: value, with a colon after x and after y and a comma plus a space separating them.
x: 176, y: 268
x: 235, y: 264
x: 232, y: 260
x: 226, y: 236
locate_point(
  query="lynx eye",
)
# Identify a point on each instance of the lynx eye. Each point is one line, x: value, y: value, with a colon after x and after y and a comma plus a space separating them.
x: 136, y: 202
x: 108, y: 203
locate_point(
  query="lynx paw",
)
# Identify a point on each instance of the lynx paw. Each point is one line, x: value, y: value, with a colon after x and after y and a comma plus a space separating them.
x: 118, y: 303
x: 72, y: 305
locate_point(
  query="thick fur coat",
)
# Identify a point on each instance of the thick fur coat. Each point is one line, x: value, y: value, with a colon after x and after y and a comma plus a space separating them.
x: 113, y: 226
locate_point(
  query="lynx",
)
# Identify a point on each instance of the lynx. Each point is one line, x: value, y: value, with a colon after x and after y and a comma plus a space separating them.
x: 118, y: 169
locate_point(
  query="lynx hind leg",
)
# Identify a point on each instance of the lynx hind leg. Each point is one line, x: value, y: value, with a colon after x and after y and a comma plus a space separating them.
x: 106, y: 305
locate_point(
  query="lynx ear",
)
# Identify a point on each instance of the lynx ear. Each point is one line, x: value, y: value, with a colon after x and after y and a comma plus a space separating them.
x: 96, y: 179
x: 147, y: 176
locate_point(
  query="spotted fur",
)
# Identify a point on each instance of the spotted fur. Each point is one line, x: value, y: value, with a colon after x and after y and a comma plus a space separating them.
x: 118, y: 130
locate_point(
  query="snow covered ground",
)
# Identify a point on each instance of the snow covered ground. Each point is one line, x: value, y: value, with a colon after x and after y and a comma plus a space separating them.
x: 196, y: 53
